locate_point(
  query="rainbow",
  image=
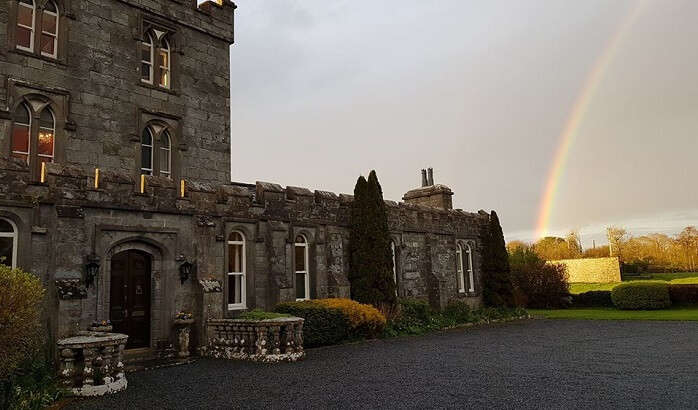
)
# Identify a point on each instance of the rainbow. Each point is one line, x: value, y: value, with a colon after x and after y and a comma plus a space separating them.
x: 579, y: 110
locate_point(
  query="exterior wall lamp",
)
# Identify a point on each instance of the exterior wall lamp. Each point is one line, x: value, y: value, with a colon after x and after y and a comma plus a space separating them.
x: 185, y: 270
x: 91, y: 269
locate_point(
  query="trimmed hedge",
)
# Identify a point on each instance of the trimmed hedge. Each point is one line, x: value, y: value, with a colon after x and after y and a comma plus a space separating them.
x: 331, y: 321
x: 323, y: 325
x: 684, y: 294
x: 643, y: 295
x: 593, y: 298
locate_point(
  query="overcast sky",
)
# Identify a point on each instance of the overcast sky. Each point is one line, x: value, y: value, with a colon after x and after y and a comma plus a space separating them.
x: 323, y: 91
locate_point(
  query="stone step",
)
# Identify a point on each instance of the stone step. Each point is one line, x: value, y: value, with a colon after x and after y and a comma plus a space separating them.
x: 155, y: 363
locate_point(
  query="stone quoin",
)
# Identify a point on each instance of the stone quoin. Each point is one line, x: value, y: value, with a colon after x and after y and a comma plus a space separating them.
x: 115, y: 182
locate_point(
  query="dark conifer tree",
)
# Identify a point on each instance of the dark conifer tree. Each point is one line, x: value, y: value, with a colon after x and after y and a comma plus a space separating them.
x: 371, y: 273
x: 498, y: 289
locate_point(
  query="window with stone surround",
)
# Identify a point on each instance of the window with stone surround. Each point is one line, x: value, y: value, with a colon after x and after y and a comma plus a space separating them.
x: 156, y: 151
x: 37, y: 27
x: 156, y: 57
x: 237, y: 274
x: 33, y: 143
x: 49, y: 30
x: 8, y: 243
x: 464, y: 268
x: 26, y: 21
x: 301, y: 268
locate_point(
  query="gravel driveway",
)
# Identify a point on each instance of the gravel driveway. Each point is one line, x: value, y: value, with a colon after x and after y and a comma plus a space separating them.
x: 526, y: 364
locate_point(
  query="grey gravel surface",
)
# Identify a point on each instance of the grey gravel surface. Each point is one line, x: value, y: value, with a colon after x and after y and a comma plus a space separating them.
x: 526, y: 364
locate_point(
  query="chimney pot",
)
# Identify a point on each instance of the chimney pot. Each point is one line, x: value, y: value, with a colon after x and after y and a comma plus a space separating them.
x: 424, y: 177
x: 430, y: 176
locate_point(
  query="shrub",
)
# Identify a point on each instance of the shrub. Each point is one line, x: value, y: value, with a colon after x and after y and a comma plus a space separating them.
x: 33, y: 385
x: 683, y: 294
x: 21, y: 295
x: 457, y: 312
x: 364, y: 320
x: 641, y: 295
x: 414, y: 317
x: 323, y: 325
x: 498, y: 289
x: 593, y: 298
x: 538, y: 284
x: 371, y: 259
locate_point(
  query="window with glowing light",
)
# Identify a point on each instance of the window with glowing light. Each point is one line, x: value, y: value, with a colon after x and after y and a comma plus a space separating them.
x: 26, y: 21
x: 49, y: 30
x: 8, y: 243
x: 156, y: 58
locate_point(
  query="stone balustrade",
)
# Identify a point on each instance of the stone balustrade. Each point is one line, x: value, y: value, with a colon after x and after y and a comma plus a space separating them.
x: 91, y: 363
x: 269, y: 340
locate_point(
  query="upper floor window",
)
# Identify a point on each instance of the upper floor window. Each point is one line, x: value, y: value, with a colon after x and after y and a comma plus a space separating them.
x: 236, y: 271
x: 26, y: 20
x: 164, y: 64
x: 31, y: 144
x: 156, y: 151
x: 301, y: 268
x: 156, y: 62
x: 49, y: 30
x: 8, y: 243
x: 147, y: 59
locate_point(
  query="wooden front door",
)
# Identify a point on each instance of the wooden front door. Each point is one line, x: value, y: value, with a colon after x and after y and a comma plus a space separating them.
x: 129, y: 308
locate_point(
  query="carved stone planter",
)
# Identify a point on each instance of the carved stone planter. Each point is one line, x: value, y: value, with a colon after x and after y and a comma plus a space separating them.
x: 183, y: 327
x: 91, y: 363
x: 270, y: 340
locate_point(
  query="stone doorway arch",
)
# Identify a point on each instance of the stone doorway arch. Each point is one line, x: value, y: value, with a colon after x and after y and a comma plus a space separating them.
x: 155, y: 256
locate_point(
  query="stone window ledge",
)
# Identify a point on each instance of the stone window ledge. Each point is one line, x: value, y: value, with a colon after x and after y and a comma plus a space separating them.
x: 157, y: 87
x: 40, y: 56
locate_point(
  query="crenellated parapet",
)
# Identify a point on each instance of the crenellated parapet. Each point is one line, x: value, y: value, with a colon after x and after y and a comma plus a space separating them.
x: 76, y: 186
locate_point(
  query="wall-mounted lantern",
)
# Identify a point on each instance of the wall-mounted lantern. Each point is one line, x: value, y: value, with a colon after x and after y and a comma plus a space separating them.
x: 91, y: 269
x: 185, y: 270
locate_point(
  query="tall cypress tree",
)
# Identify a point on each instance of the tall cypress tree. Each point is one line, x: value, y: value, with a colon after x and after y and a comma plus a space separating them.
x: 498, y: 289
x: 371, y: 273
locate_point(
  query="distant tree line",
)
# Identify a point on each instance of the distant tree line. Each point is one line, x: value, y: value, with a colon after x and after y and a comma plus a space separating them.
x: 655, y: 252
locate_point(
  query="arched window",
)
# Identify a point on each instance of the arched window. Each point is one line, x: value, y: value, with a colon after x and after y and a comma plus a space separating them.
x: 49, y: 30
x: 147, y: 52
x: 8, y: 243
x: 301, y: 265
x: 392, y: 250
x: 147, y: 152
x: 459, y: 269
x: 165, y: 154
x: 26, y: 20
x: 47, y: 132
x: 236, y: 271
x: 21, y: 130
x: 468, y: 259
x: 164, y: 64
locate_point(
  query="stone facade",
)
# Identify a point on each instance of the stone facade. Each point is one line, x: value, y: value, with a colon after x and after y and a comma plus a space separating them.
x: 74, y: 224
x: 592, y: 270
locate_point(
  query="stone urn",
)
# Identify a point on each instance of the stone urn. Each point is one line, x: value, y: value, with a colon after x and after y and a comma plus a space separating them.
x: 183, y: 328
x: 101, y: 327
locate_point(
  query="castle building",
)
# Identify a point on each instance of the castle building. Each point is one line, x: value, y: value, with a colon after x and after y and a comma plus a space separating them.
x: 115, y: 184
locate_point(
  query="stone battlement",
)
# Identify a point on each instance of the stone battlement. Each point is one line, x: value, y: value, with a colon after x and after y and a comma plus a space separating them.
x: 69, y: 185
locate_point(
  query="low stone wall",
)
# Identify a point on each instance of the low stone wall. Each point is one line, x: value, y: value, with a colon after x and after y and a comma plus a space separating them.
x: 592, y: 270
x: 270, y: 340
x: 91, y: 363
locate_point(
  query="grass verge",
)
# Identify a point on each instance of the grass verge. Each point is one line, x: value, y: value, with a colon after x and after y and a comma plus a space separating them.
x: 679, y: 313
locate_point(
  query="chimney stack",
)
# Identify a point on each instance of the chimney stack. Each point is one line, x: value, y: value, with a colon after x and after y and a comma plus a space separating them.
x: 430, y: 176
x: 424, y: 177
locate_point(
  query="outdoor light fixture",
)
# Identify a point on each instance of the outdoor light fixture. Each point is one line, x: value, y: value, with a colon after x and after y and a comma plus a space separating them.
x: 185, y: 269
x: 91, y: 270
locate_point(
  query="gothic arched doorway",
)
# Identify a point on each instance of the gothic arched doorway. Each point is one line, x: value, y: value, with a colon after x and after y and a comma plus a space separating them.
x: 129, y: 300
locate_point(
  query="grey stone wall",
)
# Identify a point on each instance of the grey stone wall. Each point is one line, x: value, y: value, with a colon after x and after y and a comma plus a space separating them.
x: 95, y: 84
x: 65, y: 220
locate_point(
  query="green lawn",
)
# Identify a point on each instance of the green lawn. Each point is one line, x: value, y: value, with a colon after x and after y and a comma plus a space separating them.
x: 675, y: 278
x: 681, y: 313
